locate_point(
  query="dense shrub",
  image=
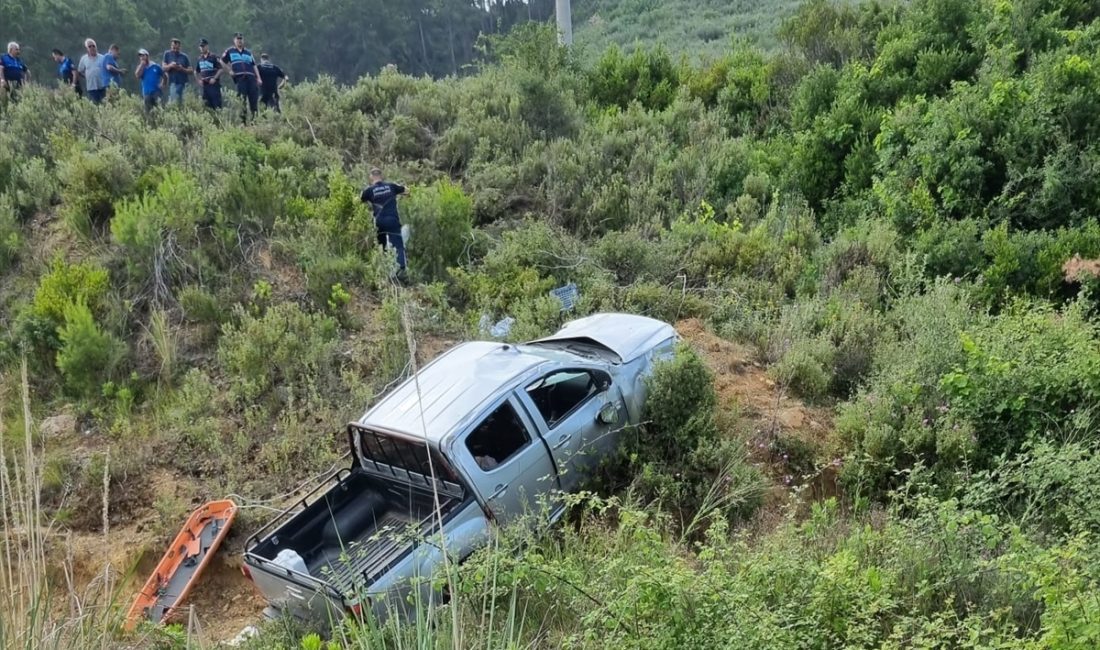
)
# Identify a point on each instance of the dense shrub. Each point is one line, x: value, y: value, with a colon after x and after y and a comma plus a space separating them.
x: 678, y: 456
x: 645, y: 76
x: 66, y: 284
x: 441, y: 217
x: 286, y: 347
x: 11, y: 236
x: 91, y: 183
x: 827, y: 582
x: 88, y: 355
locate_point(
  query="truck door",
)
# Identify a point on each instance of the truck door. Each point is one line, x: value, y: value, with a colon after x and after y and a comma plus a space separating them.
x: 507, y: 462
x: 578, y: 413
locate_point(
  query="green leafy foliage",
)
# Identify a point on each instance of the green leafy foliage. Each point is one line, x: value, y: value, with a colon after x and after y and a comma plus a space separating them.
x: 88, y: 355
x: 285, y: 347
x: 441, y: 218
x: 66, y: 284
x: 11, y: 237
x: 645, y: 76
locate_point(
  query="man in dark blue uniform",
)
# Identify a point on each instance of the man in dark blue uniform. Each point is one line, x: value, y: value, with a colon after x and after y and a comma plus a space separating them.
x: 66, y: 69
x: 13, y: 72
x: 210, y: 70
x: 243, y: 68
x: 382, y: 197
x: 273, y: 79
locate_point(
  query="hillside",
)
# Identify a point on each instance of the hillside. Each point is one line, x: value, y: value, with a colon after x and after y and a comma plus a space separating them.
x: 880, y: 248
x: 694, y: 29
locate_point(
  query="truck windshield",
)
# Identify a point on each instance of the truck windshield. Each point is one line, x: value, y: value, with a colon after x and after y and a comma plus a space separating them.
x: 404, y: 459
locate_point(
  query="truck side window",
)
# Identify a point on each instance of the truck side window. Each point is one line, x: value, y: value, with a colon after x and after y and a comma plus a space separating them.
x: 497, y: 438
x: 557, y: 394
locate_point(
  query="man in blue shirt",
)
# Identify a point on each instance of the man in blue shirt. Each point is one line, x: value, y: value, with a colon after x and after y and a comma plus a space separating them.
x: 178, y: 66
x: 152, y: 78
x: 243, y: 68
x: 66, y: 69
x: 111, y: 70
x: 209, y: 71
x: 382, y: 197
x: 13, y: 72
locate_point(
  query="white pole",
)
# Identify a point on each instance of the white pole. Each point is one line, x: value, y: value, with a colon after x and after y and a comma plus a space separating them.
x: 565, y: 22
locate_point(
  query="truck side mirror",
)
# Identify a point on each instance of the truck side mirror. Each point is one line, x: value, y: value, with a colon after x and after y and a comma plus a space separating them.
x: 609, y: 414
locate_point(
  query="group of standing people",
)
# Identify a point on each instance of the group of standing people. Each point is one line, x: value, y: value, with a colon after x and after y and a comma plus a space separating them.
x: 255, y: 81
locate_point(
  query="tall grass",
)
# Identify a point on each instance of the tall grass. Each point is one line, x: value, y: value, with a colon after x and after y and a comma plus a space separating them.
x: 38, y: 607
x: 165, y: 343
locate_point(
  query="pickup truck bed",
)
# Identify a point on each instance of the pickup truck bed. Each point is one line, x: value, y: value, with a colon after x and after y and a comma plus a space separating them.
x: 354, y: 531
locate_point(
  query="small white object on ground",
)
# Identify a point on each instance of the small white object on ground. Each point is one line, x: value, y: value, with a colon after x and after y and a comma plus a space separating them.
x: 502, y: 328
x: 247, y: 633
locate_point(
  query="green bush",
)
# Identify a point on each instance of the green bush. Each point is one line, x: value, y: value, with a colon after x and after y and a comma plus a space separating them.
x: 88, y: 355
x: 66, y: 284
x: 645, y: 76
x: 825, y: 581
x: 679, y: 411
x: 172, y: 208
x: 1051, y: 486
x: 285, y: 348
x: 34, y: 187
x: 440, y: 217
x: 11, y: 235
x: 91, y: 184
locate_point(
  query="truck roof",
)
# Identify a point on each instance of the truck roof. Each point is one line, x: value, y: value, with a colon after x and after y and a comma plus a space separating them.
x: 626, y: 335
x: 450, y: 389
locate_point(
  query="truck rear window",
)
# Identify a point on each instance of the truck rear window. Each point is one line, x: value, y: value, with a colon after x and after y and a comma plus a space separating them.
x: 389, y: 453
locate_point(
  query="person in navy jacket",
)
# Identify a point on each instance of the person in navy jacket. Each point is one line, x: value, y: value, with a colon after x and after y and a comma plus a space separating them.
x: 382, y: 197
x: 242, y: 66
x: 13, y: 72
x: 66, y: 69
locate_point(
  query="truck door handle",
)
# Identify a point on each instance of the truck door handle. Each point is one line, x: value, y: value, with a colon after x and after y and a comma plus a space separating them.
x: 562, y: 440
x: 499, y: 490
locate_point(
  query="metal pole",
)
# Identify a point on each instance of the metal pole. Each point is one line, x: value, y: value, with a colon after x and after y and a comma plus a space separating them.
x: 565, y: 21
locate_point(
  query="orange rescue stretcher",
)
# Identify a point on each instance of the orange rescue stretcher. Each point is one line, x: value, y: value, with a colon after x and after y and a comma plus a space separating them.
x: 179, y: 569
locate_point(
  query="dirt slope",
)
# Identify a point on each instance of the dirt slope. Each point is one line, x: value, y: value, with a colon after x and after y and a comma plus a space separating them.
x: 745, y: 387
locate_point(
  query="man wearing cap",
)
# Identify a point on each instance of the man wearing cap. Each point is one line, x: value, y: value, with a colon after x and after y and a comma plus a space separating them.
x: 209, y: 72
x: 178, y: 66
x: 273, y: 79
x: 13, y: 72
x: 91, y: 68
x: 382, y: 197
x: 243, y: 68
x: 152, y: 77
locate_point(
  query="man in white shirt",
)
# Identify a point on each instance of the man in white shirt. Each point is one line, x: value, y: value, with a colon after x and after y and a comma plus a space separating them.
x: 91, y: 68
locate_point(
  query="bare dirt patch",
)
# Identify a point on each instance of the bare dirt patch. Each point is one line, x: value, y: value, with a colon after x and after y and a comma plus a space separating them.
x: 744, y: 386
x: 776, y: 425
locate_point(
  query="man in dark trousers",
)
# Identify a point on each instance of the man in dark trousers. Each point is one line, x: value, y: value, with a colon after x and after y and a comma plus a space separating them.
x: 243, y: 68
x: 178, y: 66
x: 273, y: 79
x: 382, y: 197
x: 210, y: 70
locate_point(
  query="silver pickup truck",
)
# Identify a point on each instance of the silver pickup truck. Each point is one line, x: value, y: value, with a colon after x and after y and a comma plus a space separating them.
x: 481, y: 435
